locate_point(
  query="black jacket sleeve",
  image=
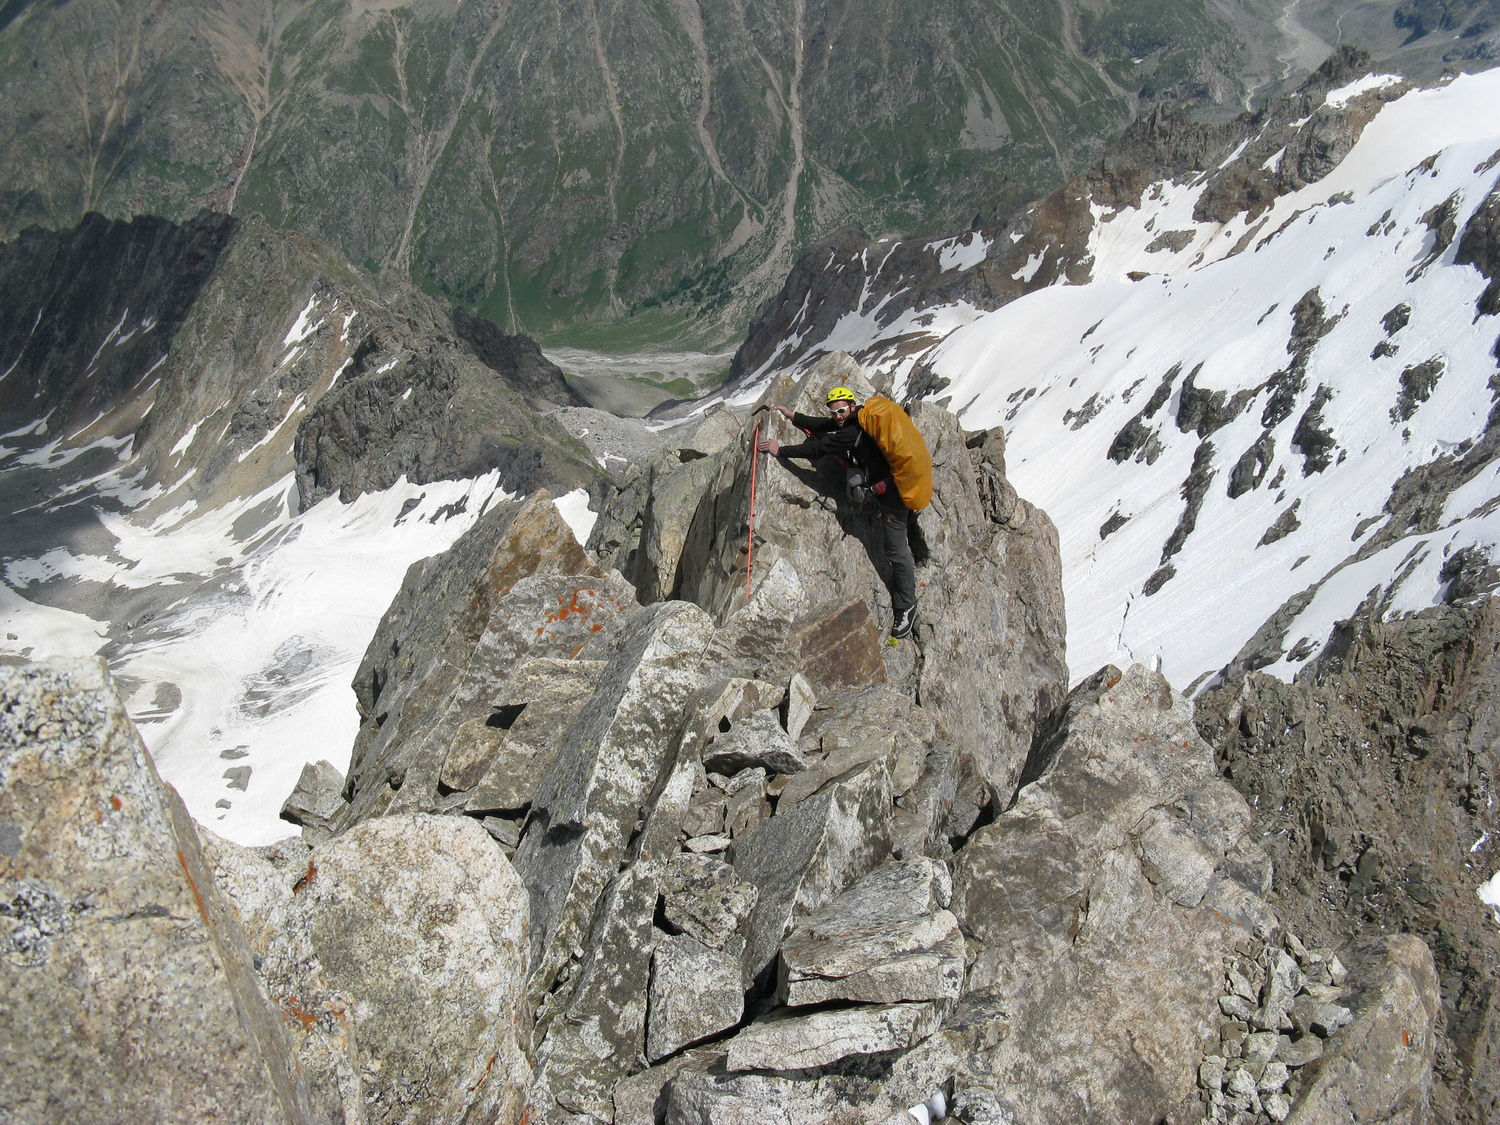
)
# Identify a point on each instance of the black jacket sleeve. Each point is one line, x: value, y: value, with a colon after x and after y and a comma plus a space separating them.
x: 827, y: 439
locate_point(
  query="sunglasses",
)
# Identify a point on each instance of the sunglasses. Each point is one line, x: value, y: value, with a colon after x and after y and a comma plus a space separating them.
x: 841, y: 408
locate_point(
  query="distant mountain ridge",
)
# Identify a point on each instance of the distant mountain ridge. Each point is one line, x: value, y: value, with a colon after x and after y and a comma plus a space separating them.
x: 548, y: 164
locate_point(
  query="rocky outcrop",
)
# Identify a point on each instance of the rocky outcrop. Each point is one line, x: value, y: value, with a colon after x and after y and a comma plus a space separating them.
x: 397, y: 956
x: 130, y: 992
x: 1367, y: 775
x: 1104, y: 901
x: 1479, y: 246
x: 516, y: 588
x: 232, y: 354
x: 987, y: 661
x: 65, y: 299
x: 759, y: 879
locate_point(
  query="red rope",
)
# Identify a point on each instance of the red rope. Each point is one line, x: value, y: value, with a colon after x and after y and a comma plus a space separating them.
x: 750, y: 535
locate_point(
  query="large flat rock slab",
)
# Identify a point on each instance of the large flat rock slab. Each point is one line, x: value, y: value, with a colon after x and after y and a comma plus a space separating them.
x: 129, y: 989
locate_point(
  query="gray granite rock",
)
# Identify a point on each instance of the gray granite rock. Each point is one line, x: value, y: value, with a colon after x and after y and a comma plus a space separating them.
x: 1108, y: 982
x: 1379, y: 1068
x: 502, y: 758
x: 800, y: 860
x: 755, y: 740
x: 394, y: 950
x: 695, y: 993
x: 798, y: 1042
x: 317, y: 798
x: 801, y: 698
x: 703, y: 897
x: 592, y: 1028
x: 888, y: 938
x: 587, y: 806
x: 129, y: 988
x: 745, y: 803
x: 516, y: 586
x: 705, y: 816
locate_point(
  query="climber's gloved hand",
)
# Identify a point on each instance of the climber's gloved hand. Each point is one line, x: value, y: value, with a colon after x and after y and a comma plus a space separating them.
x: 860, y: 494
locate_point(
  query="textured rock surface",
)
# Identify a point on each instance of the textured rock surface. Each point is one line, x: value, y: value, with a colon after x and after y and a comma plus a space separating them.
x: 803, y: 1042
x: 318, y: 796
x: 128, y: 987
x: 587, y: 805
x: 1365, y: 775
x: 695, y: 992
x: 398, y: 955
x: 1381, y: 1066
x: 990, y: 627
x: 515, y: 587
x: 886, y: 939
x: 802, y: 859
x: 1109, y: 986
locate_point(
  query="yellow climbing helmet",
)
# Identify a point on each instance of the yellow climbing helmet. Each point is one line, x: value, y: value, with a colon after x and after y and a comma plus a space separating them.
x: 840, y: 394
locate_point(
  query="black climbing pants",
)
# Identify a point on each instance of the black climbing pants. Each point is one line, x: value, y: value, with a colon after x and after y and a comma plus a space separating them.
x: 903, y: 583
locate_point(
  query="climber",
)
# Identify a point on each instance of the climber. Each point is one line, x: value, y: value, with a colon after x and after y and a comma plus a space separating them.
x: 869, y: 478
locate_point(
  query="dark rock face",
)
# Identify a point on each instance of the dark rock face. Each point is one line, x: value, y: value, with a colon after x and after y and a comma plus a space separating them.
x: 414, y: 405
x: 1479, y: 246
x: 233, y: 353
x: 517, y: 359
x: 1368, y: 776
x: 65, y: 299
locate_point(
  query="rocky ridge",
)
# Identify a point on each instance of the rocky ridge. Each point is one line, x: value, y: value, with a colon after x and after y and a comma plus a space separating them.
x: 773, y: 871
x: 1048, y: 243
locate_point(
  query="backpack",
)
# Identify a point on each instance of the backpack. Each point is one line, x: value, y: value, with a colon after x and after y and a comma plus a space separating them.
x: 899, y: 439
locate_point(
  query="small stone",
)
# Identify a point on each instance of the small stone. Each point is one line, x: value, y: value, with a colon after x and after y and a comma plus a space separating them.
x: 1239, y: 986
x: 1324, y: 993
x: 1237, y: 1007
x: 508, y: 832
x: 1317, y: 1017
x: 754, y: 741
x: 1273, y: 1078
x: 801, y: 698
x: 706, y: 844
x: 746, y: 805
x: 704, y: 898
x: 1211, y: 1072
x: 1300, y: 1052
x: 705, y: 816
x: 695, y: 992
x: 1336, y: 970
x: 1318, y: 973
x: 1295, y: 947
x: 1277, y: 1106
x: 1259, y: 1048
x: 1239, y: 1084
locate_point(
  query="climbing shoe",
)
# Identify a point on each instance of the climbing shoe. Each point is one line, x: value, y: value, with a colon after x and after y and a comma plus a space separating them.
x: 901, y: 627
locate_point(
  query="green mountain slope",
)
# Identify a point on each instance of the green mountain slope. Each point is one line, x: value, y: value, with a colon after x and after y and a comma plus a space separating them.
x: 549, y: 163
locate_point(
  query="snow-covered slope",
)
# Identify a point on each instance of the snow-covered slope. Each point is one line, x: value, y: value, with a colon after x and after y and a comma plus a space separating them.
x: 1219, y: 418
x: 221, y: 495
x: 245, y: 676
